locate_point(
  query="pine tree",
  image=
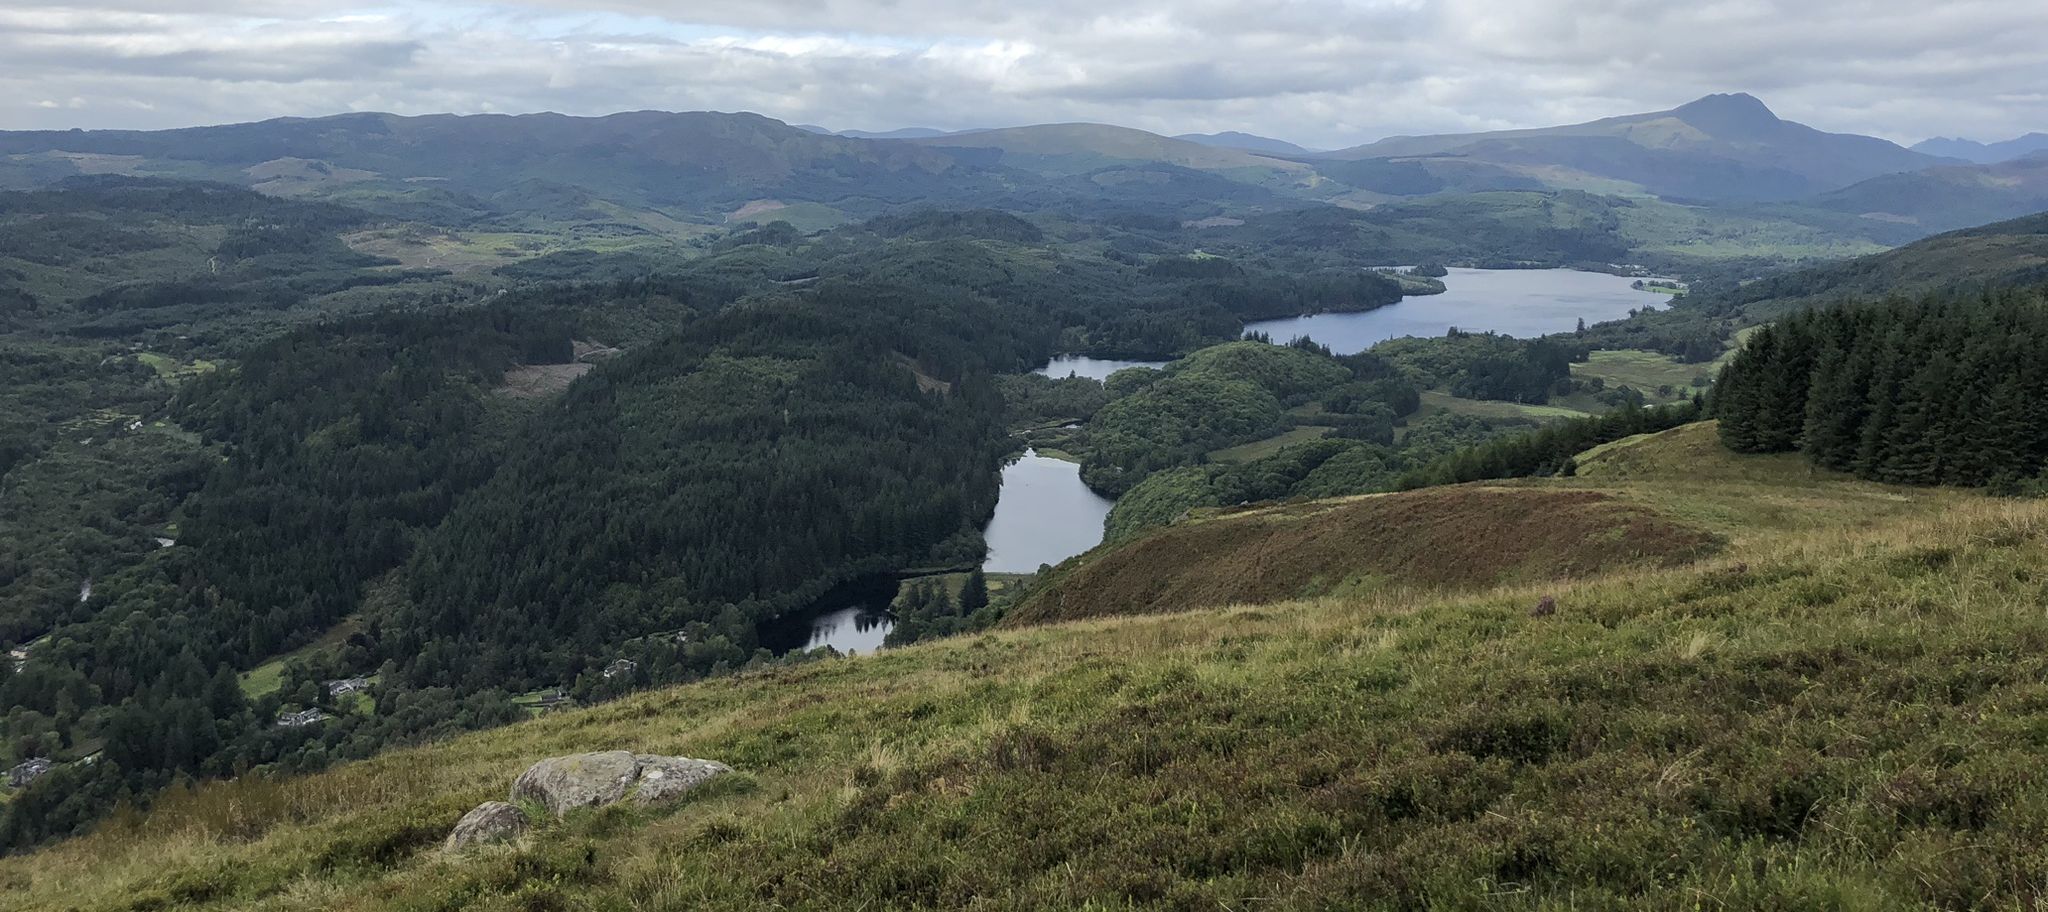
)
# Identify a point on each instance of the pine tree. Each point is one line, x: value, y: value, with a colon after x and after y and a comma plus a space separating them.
x: 1781, y: 395
x: 974, y: 595
x: 1835, y: 406
x: 1736, y: 393
x: 1915, y: 443
x: 1881, y: 402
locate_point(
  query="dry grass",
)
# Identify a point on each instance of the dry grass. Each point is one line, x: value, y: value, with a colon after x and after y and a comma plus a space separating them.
x: 1657, y: 500
x: 1445, y: 539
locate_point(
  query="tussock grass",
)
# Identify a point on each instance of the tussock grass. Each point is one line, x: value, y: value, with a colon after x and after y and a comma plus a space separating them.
x: 1844, y: 716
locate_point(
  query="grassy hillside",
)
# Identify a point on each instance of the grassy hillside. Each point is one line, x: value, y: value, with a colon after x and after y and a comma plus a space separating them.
x: 1522, y: 225
x: 1451, y: 538
x: 1848, y: 718
x: 1622, y: 511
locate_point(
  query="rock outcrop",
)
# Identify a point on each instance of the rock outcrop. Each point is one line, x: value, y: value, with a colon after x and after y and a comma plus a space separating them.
x: 491, y: 821
x: 563, y: 784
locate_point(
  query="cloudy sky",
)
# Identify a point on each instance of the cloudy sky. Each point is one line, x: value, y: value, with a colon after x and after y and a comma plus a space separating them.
x: 1325, y: 73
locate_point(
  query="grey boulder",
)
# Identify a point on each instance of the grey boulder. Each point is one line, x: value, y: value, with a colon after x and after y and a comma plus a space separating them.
x: 491, y: 821
x: 663, y: 778
x: 563, y: 784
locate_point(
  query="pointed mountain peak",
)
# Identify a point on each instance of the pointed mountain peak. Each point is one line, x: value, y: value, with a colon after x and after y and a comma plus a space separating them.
x: 1728, y: 115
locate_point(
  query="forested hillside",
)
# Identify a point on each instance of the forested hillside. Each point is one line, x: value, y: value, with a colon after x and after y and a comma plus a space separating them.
x: 457, y: 504
x: 112, y: 257
x: 2001, y: 254
x: 709, y: 483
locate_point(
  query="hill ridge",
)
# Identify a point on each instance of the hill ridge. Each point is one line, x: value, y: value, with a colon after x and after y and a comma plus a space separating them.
x: 1718, y: 147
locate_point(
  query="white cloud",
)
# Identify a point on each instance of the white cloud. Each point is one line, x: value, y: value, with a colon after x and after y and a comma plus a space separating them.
x: 1322, y: 72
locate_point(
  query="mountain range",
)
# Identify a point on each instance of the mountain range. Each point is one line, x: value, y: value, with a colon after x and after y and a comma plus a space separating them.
x: 1232, y: 139
x: 1947, y: 197
x: 1984, y: 153
x: 1718, y: 148
x: 707, y: 168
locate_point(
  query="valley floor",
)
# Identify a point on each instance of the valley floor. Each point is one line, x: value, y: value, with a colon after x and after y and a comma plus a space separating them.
x: 1841, y: 715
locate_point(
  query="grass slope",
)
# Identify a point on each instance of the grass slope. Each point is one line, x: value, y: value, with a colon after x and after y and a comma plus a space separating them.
x: 1851, y: 718
x: 1656, y: 500
x: 1450, y: 538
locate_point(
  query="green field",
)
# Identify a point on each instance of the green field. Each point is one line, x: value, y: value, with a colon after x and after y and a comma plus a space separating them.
x: 480, y: 251
x: 1657, y: 227
x: 1434, y: 401
x: 1260, y: 449
x: 954, y: 582
x: 806, y: 217
x: 269, y: 676
x: 1646, y: 371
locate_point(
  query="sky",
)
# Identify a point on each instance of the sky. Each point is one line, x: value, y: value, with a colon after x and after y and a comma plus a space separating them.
x: 1323, y: 73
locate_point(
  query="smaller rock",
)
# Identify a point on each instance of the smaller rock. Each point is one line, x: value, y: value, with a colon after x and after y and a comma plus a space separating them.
x: 663, y: 778
x: 1545, y: 607
x: 491, y: 821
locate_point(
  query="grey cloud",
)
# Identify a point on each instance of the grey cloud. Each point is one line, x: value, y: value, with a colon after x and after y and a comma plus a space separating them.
x: 1322, y: 72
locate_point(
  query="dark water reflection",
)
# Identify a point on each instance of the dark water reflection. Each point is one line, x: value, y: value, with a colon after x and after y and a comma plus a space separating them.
x: 852, y: 618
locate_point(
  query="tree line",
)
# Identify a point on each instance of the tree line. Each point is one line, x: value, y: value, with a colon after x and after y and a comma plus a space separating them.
x: 1947, y: 389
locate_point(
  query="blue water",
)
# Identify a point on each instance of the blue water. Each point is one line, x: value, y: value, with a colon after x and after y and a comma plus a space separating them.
x: 1092, y: 368
x: 1045, y: 515
x: 853, y: 629
x: 1516, y: 302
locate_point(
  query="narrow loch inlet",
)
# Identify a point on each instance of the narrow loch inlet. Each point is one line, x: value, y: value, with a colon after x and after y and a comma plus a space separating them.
x: 1045, y: 515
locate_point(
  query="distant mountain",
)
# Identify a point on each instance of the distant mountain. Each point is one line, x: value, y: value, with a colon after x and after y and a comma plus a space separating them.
x: 1948, y: 197
x: 701, y: 164
x: 1984, y: 153
x: 1721, y: 148
x: 900, y: 133
x: 1231, y: 139
x: 1079, y: 148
